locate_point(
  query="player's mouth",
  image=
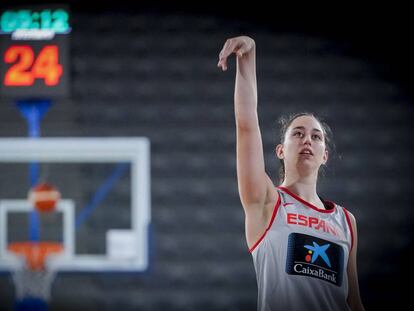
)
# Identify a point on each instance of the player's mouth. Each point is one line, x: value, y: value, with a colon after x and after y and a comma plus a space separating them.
x: 306, y: 151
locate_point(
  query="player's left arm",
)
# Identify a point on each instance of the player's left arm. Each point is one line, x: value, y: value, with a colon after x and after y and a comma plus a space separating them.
x: 354, y: 298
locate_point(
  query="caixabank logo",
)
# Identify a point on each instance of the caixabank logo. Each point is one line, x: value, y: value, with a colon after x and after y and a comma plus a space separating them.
x: 315, y: 257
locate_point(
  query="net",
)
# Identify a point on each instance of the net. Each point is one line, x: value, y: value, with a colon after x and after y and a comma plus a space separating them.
x: 33, y: 279
x: 35, y: 284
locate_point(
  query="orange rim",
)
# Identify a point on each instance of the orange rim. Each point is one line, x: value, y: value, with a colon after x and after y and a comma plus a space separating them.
x: 35, y: 252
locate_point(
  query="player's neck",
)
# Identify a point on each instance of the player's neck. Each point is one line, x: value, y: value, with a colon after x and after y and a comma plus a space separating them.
x: 305, y: 188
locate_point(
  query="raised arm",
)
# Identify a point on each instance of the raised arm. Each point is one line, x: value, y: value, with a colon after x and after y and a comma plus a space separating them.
x: 255, y: 187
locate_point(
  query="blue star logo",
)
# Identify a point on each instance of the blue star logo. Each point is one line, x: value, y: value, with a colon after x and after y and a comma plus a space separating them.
x: 319, y: 251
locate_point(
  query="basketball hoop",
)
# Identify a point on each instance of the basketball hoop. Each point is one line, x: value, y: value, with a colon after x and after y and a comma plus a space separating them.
x: 33, y: 279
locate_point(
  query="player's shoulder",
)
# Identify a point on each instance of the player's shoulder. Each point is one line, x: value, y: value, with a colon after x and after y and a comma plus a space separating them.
x: 350, y: 217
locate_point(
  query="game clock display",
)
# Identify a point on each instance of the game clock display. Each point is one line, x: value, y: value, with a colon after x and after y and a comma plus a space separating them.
x: 34, y: 52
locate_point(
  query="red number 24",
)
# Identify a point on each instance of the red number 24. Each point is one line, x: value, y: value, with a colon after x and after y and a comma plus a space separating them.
x: 27, y: 68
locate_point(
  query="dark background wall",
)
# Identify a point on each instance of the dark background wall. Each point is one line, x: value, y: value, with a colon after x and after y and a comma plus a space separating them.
x: 150, y: 70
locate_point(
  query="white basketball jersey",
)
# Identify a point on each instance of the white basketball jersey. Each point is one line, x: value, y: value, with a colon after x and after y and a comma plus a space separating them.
x: 301, y: 259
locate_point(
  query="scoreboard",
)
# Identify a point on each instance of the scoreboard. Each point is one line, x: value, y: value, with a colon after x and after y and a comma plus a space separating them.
x: 34, y: 52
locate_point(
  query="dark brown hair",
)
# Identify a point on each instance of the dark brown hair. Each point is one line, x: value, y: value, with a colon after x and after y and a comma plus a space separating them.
x: 286, y: 121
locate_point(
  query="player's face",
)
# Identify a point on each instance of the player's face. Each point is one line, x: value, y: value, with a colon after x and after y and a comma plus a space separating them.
x: 304, y: 146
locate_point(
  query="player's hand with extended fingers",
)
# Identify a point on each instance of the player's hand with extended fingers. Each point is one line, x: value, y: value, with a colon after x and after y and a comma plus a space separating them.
x: 237, y: 45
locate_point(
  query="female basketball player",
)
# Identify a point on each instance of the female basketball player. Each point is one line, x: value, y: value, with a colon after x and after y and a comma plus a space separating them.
x: 303, y: 247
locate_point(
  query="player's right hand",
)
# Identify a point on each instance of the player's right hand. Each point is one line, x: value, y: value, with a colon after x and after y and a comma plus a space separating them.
x: 237, y: 45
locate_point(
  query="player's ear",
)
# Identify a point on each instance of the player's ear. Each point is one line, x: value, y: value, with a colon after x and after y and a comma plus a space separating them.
x: 325, y: 157
x: 279, y: 151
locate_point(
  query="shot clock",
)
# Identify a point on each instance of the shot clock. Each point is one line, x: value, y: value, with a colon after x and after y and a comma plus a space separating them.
x: 34, y: 52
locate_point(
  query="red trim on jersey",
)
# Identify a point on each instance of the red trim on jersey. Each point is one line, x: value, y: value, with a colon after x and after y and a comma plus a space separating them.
x: 348, y: 220
x: 309, y: 204
x: 275, y: 209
